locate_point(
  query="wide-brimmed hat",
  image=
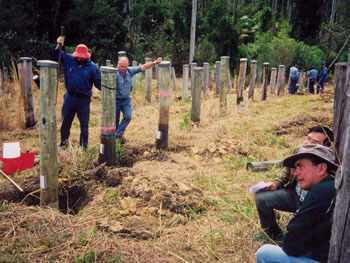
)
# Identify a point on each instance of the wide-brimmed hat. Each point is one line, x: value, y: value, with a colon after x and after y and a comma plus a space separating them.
x: 81, y: 51
x: 319, y: 151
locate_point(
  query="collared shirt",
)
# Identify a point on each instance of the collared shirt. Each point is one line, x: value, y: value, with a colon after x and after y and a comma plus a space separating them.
x: 294, y: 72
x: 313, y: 74
x: 124, y: 82
x: 323, y: 74
x: 79, y: 81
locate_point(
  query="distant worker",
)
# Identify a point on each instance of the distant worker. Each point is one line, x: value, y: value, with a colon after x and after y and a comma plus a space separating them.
x: 294, y: 77
x: 313, y: 73
x: 123, y: 104
x: 322, y: 78
x: 80, y: 73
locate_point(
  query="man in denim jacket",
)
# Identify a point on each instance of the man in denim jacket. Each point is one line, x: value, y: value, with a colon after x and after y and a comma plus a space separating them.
x: 123, y: 104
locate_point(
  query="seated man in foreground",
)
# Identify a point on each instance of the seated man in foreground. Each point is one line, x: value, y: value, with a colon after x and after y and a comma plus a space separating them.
x: 284, y: 192
x: 309, y: 231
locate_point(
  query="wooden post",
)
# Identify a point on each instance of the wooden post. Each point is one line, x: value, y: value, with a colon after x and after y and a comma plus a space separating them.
x: 164, y: 100
x: 27, y: 90
x: 289, y: 77
x: 217, y: 77
x: 301, y: 79
x: 224, y: 64
x: 339, y: 244
x: 121, y: 54
x: 173, y: 76
x: 108, y: 125
x: 229, y: 83
x: 48, y: 134
x: 134, y: 79
x: 148, y: 81
x: 196, y: 94
x: 157, y: 76
x: 193, y: 65
x: 205, y: 77
x: 253, y: 67
x: 185, y: 81
x: 6, y: 75
x: 281, y: 79
x: 108, y: 63
x: 193, y: 32
x: 241, y: 79
x: 2, y: 86
x: 273, y: 80
x: 265, y: 79
x: 259, y: 77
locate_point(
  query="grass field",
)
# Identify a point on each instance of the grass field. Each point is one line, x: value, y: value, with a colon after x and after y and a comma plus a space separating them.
x: 188, y: 204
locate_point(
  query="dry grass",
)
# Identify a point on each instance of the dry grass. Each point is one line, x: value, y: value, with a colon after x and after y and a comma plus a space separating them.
x: 205, y: 165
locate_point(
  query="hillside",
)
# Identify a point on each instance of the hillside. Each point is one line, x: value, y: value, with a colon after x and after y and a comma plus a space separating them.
x: 188, y: 204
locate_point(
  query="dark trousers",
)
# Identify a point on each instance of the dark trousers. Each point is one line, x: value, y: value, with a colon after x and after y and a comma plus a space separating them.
x: 81, y: 107
x: 293, y: 88
x: 311, y: 86
x: 284, y: 199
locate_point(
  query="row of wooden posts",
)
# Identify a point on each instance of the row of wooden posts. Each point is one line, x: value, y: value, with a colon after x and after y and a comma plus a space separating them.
x: 164, y: 72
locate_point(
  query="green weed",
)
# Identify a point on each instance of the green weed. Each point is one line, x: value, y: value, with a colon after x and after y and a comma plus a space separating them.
x: 185, y: 120
x: 89, y: 259
x: 118, y: 151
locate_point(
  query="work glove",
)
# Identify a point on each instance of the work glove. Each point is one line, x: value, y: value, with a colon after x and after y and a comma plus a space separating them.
x: 60, y: 40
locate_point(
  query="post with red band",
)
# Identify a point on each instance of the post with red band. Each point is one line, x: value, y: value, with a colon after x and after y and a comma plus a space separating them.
x: 108, y: 126
x: 164, y: 100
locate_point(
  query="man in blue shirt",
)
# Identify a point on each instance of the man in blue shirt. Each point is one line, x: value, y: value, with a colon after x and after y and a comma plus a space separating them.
x: 80, y: 73
x: 309, y: 231
x: 294, y: 77
x: 313, y: 73
x: 322, y: 78
x: 123, y: 104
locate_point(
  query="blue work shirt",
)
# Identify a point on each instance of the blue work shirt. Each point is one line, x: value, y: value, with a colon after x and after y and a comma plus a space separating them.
x: 313, y: 74
x: 294, y: 73
x: 124, y: 82
x: 79, y: 81
x: 323, y: 74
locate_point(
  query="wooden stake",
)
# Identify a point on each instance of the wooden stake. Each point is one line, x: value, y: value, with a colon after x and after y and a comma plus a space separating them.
x: 265, y: 80
x: 48, y: 134
x: 253, y: 67
x: 241, y: 79
x: 148, y: 81
x: 205, y: 77
x: 13, y: 182
x: 281, y: 79
x: 273, y: 80
x: 224, y: 65
x: 196, y: 94
x: 217, y: 77
x: 185, y: 81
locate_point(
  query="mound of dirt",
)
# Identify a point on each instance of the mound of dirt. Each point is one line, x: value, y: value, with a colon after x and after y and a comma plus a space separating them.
x: 296, y: 125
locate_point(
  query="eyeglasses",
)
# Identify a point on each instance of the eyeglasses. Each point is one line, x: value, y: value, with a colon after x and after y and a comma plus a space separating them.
x: 310, y: 140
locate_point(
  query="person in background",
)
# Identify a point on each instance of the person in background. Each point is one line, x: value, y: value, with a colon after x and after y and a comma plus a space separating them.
x: 313, y: 73
x: 284, y: 192
x: 294, y: 77
x: 322, y: 78
x: 80, y: 73
x: 123, y: 104
x: 309, y: 232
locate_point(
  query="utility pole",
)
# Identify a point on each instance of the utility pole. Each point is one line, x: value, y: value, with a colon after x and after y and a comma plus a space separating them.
x: 193, y: 30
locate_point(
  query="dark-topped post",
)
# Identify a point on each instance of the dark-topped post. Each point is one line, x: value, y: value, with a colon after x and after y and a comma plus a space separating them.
x: 48, y: 134
x: 164, y: 101
x: 108, y: 125
x: 148, y: 81
x: 121, y: 54
x: 265, y: 80
x: 224, y: 72
x: 185, y: 69
x: 196, y: 94
x: 241, y: 79
x: 253, y: 67
x: 27, y: 90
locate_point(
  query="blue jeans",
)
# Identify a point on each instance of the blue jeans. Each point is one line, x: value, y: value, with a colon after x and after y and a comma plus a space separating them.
x: 285, y: 199
x: 311, y: 86
x: 81, y: 107
x: 274, y: 254
x: 293, y: 88
x: 124, y: 106
x: 320, y: 86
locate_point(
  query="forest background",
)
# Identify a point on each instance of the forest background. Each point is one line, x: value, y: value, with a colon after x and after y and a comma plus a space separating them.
x: 280, y: 32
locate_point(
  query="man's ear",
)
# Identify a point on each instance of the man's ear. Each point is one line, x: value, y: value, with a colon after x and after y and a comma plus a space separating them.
x: 323, y: 167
